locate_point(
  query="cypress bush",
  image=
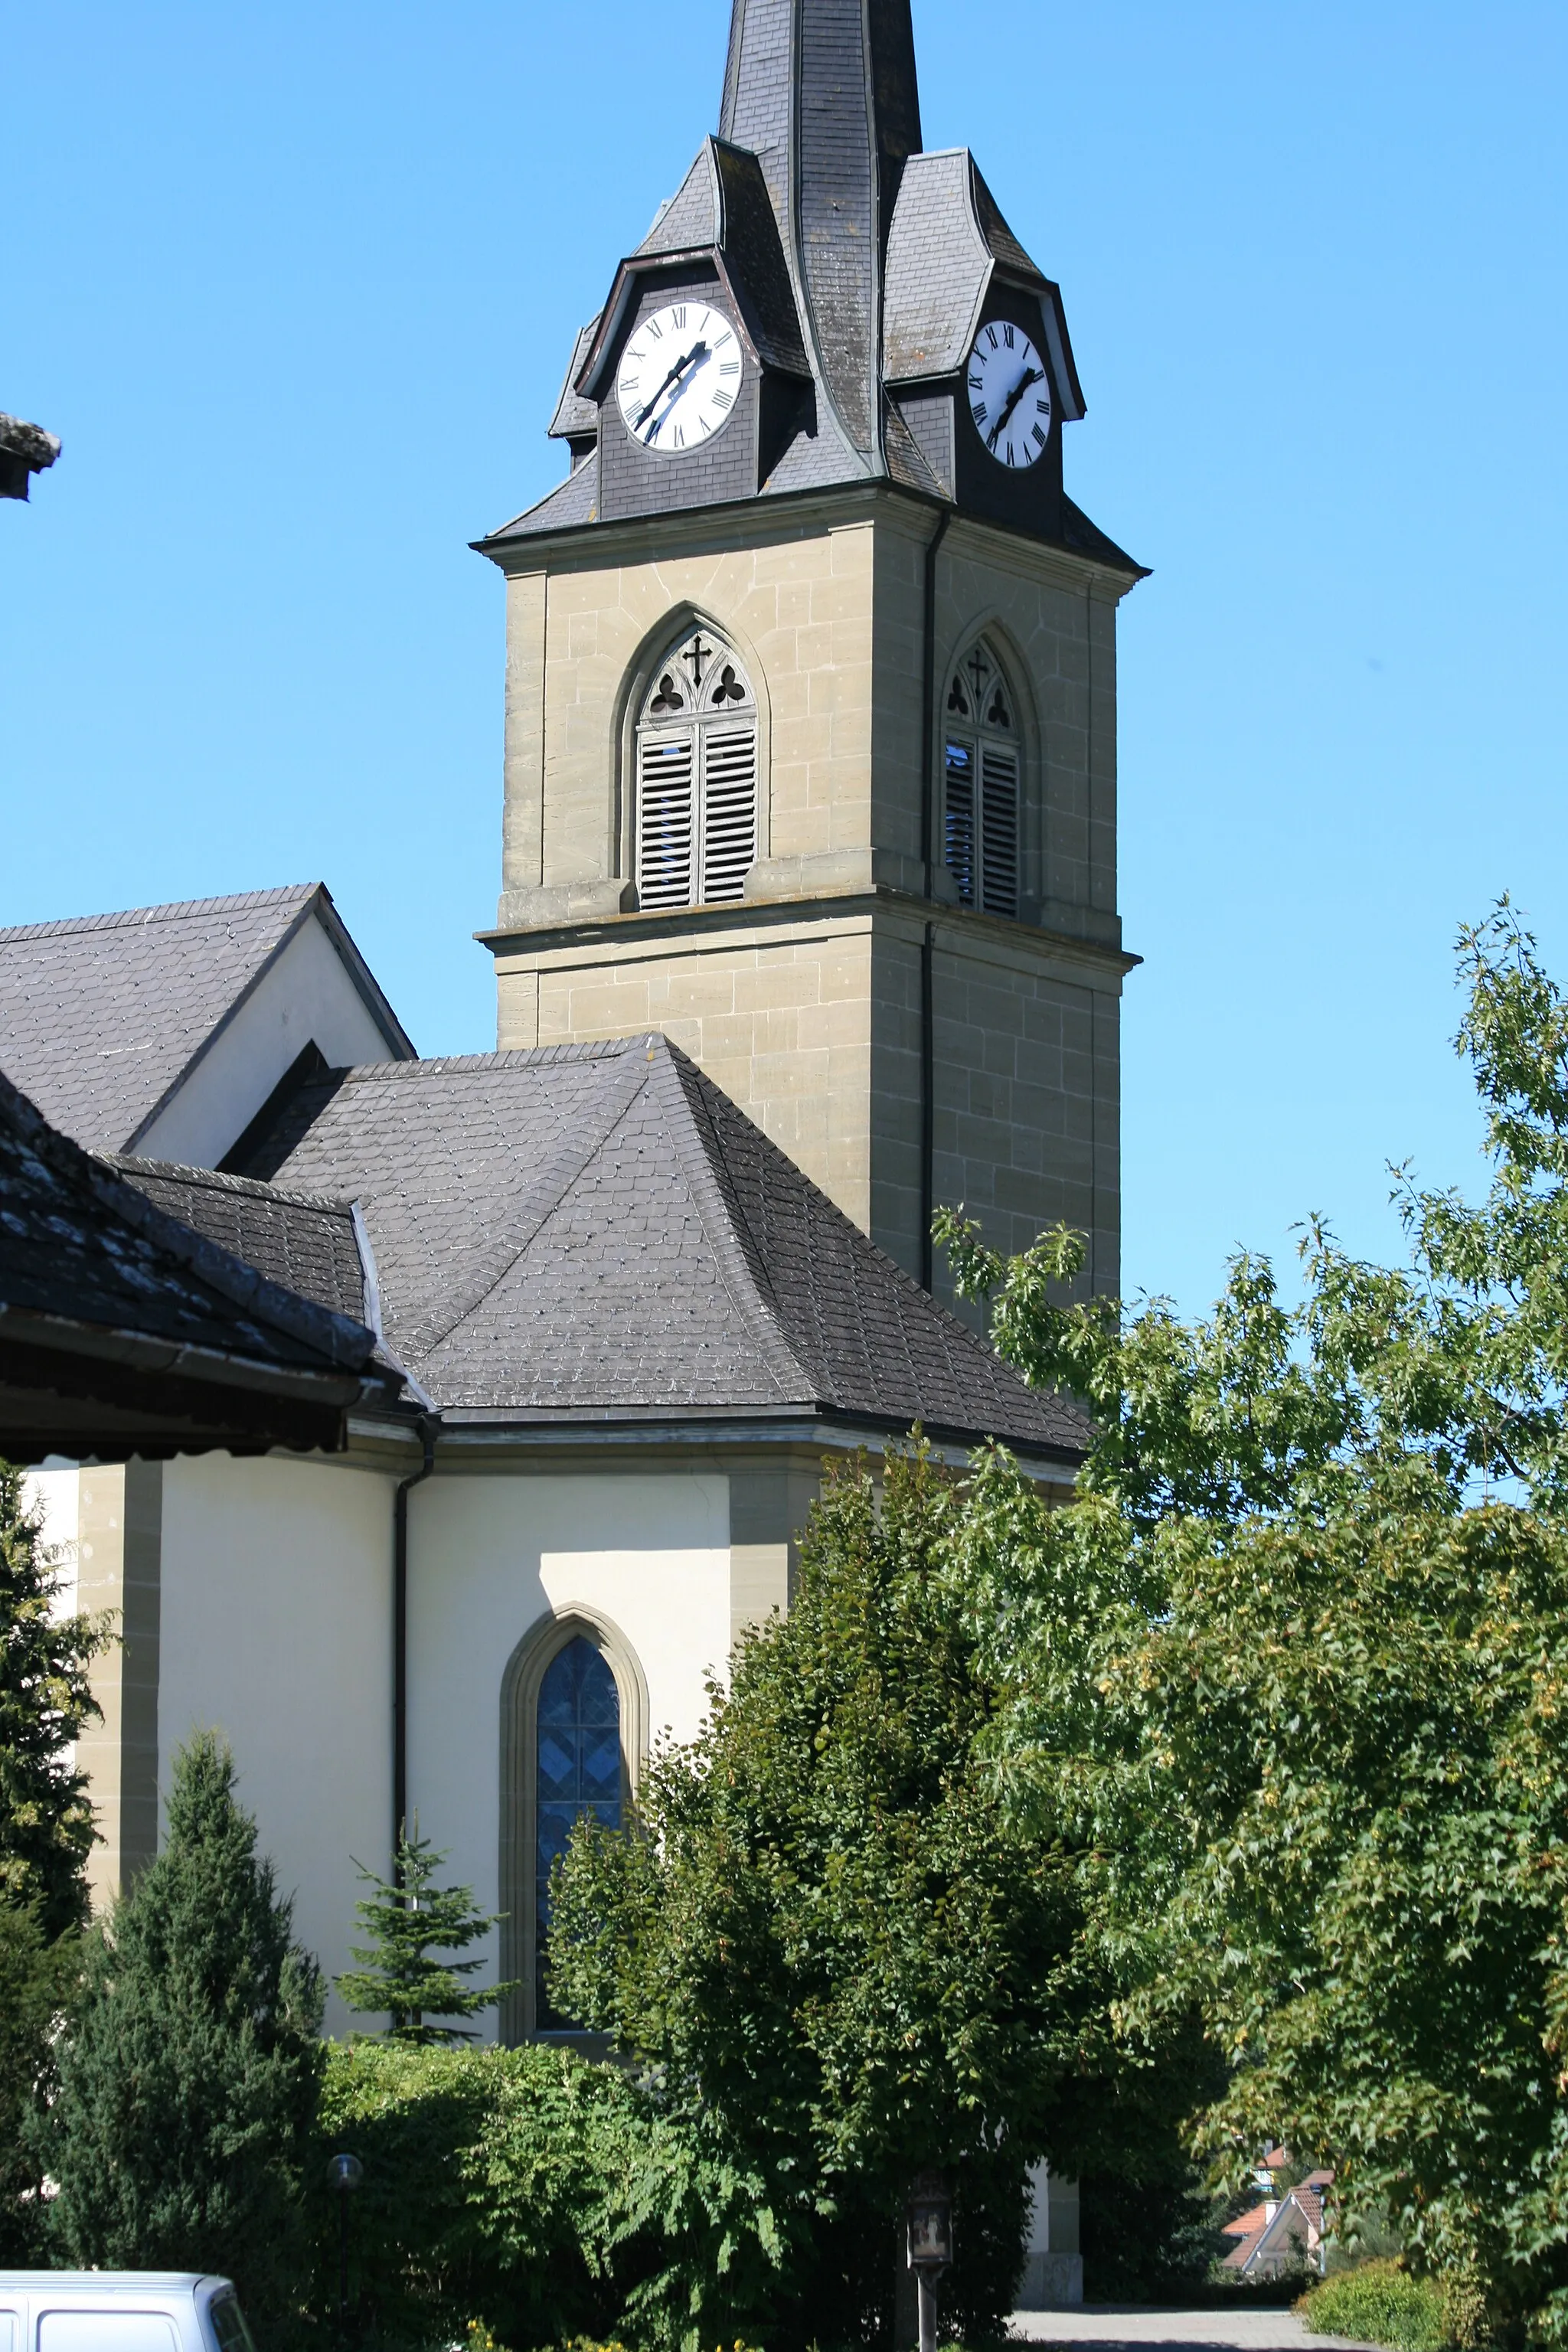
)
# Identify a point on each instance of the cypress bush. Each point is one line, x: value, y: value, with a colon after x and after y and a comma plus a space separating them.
x: 188, y: 2087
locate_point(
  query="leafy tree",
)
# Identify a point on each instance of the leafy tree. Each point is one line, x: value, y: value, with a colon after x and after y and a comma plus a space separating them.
x: 1293, y: 1669
x: 45, y: 1704
x: 408, y: 1920
x: 189, y: 2083
x: 837, y: 1954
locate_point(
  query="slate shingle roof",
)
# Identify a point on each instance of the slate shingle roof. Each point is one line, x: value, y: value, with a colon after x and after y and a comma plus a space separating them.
x: 304, y: 1242
x: 101, y: 1016
x: 105, y: 1296
x: 595, y: 1232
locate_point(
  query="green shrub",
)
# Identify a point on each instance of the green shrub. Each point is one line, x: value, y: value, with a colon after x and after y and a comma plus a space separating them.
x: 1380, y: 2303
x: 527, y: 2198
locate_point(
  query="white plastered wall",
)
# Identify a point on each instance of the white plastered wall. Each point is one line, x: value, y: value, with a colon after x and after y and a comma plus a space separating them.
x: 489, y: 1558
x: 54, y: 1494
x: 276, y: 1630
x: 309, y: 993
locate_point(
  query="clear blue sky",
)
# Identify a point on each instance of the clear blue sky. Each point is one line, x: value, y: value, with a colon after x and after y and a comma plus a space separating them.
x: 297, y: 285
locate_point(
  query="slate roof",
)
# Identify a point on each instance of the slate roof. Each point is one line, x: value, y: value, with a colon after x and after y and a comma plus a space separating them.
x: 306, y: 1242
x: 116, y: 1317
x: 100, y: 1017
x: 595, y: 1232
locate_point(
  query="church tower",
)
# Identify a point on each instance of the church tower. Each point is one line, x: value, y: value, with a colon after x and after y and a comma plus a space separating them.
x: 811, y: 683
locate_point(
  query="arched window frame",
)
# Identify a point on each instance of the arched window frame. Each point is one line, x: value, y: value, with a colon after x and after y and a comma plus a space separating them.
x: 521, y: 1685
x: 676, y: 706
x: 984, y: 757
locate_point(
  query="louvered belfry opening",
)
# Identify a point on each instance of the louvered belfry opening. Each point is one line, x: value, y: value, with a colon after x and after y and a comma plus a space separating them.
x: 697, y: 778
x: 980, y: 800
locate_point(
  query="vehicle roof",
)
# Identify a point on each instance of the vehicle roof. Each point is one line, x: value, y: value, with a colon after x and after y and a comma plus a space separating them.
x: 112, y: 2282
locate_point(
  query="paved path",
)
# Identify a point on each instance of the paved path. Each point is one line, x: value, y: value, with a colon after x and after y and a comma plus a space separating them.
x: 1114, y: 2325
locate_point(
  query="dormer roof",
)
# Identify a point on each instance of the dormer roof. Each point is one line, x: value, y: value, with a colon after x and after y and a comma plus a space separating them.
x: 947, y: 244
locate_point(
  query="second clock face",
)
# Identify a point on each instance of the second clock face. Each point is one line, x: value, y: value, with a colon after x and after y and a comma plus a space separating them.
x: 1009, y: 393
x: 679, y: 376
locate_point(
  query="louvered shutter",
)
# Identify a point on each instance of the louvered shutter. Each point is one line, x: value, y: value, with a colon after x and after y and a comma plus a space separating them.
x: 729, y: 811
x: 666, y: 819
x: 998, y: 831
x: 958, y: 819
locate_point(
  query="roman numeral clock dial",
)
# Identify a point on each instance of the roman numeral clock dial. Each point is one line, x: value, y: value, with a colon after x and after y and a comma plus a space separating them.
x: 1009, y: 393
x: 679, y: 375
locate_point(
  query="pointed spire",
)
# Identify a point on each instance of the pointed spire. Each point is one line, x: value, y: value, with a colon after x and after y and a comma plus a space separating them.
x: 824, y: 93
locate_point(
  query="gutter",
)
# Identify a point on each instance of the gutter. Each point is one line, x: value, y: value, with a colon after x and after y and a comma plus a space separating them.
x: 928, y: 943
x: 428, y: 1425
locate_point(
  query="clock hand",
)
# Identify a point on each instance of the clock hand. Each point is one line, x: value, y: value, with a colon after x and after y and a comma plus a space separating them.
x: 1029, y: 376
x: 699, y: 351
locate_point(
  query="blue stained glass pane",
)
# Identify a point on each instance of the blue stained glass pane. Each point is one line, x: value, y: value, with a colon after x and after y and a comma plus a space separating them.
x: 578, y: 1759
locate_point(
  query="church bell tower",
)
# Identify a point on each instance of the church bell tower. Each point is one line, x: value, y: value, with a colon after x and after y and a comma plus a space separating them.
x: 811, y: 666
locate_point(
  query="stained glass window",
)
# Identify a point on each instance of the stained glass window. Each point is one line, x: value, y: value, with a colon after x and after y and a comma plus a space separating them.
x: 578, y: 1757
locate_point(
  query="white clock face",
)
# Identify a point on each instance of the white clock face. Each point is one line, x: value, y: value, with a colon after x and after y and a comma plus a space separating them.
x: 1009, y: 393
x: 680, y: 375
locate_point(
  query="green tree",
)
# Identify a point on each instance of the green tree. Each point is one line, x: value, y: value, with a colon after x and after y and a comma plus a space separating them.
x: 189, y: 2083
x: 1293, y: 1669
x: 834, y: 1948
x: 409, y: 1921
x: 46, y: 1836
x: 45, y: 1704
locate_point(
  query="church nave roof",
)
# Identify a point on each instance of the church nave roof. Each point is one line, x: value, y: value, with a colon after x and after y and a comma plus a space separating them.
x: 597, y: 1232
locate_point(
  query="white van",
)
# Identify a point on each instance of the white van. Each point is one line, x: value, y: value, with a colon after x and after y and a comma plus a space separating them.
x: 119, y: 2310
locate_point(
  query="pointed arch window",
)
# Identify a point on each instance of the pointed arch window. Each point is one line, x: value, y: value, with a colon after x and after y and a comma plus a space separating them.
x: 577, y: 1764
x: 979, y: 797
x: 697, y: 779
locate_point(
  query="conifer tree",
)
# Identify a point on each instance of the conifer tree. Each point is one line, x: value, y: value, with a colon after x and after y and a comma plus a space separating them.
x: 45, y: 1819
x: 188, y: 2087
x: 409, y: 1921
x: 46, y: 1836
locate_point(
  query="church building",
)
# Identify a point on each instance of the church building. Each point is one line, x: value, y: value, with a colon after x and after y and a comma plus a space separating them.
x: 807, y: 925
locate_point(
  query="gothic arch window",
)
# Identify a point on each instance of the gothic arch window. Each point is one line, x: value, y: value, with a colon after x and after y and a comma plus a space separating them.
x: 573, y: 1724
x: 981, y: 779
x: 696, y: 778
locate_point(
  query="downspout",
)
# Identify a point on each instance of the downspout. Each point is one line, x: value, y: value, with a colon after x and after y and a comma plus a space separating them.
x: 427, y: 1428
x: 928, y: 943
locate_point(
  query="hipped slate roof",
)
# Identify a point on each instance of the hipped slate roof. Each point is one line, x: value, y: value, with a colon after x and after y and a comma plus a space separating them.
x: 119, y: 1323
x: 595, y: 1232
x: 102, y: 1017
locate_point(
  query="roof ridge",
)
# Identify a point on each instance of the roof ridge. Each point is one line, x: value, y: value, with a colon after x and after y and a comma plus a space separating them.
x: 544, y: 1196
x: 137, y: 918
x: 731, y: 1235
x: 218, y: 1180
x: 540, y: 1056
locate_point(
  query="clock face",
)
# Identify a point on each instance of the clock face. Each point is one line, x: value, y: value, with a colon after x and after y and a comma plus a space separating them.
x: 1009, y: 393
x: 679, y: 376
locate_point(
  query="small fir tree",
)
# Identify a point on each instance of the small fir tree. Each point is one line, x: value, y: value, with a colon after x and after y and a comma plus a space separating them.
x: 46, y: 1703
x: 409, y: 1921
x: 188, y: 2089
x: 46, y: 1836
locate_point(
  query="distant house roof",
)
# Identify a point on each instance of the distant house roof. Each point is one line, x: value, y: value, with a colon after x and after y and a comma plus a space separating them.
x: 122, y: 1330
x: 101, y: 1018
x: 597, y: 1232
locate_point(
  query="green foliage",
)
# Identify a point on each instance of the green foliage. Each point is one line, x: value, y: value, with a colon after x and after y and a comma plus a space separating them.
x: 1381, y: 2304
x: 408, y: 1920
x: 36, y: 1979
x: 45, y: 1819
x: 525, y: 2197
x: 188, y: 2086
x: 1293, y: 1672
x: 843, y: 1958
x: 46, y: 1836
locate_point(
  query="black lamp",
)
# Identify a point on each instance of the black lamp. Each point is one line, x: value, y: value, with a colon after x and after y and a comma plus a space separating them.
x: 344, y: 2174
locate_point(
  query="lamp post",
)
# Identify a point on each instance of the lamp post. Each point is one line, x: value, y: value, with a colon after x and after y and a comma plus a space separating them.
x: 344, y: 2174
x: 929, y: 2225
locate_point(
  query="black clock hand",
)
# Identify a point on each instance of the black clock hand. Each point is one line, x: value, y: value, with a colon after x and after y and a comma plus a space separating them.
x: 1029, y: 376
x: 699, y: 351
